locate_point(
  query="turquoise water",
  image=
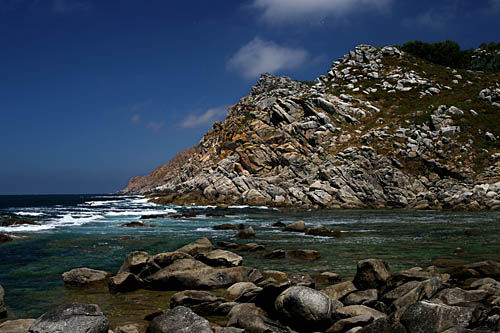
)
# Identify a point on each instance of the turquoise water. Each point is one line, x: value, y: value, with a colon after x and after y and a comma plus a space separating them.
x: 86, y: 231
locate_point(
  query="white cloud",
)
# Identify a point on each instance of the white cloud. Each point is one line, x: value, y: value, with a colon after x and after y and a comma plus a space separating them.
x: 67, y: 6
x: 136, y: 118
x: 275, y: 11
x: 155, y: 125
x: 260, y: 56
x: 206, y: 118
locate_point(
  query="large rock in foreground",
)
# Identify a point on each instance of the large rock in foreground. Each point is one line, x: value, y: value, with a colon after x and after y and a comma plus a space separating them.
x: 253, y: 319
x: 430, y: 317
x: 372, y: 274
x: 84, y: 276
x: 74, y: 318
x: 306, y: 308
x: 179, y: 320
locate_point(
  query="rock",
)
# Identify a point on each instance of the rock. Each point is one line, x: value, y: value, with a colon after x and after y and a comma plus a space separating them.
x: 246, y: 233
x: 199, y: 246
x: 228, y: 330
x: 3, y: 309
x: 4, y: 238
x: 305, y: 254
x: 425, y: 316
x: 358, y: 310
x: 361, y: 297
x: 276, y: 254
x: 226, y: 226
x: 251, y: 318
x: 137, y: 224
x: 279, y: 224
x: 327, y: 277
x: 179, y: 320
x: 276, y: 275
x: 201, y: 278
x: 129, y: 328
x: 423, y: 290
x: 84, y: 276
x: 217, y: 258
x: 460, y: 297
x: 15, y: 222
x: 124, y: 282
x: 134, y: 263
x: 339, y: 290
x: 487, y: 268
x: 16, y: 326
x: 74, y: 318
x: 324, y: 232
x: 344, y: 325
x: 167, y: 258
x: 298, y: 226
x: 301, y: 279
x: 372, y: 274
x: 243, y: 292
x: 305, y: 308
x: 202, y: 303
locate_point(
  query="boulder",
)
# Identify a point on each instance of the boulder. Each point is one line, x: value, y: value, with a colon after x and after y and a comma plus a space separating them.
x: 220, y: 258
x: 124, y: 282
x: 339, y: 290
x: 361, y: 297
x: 306, y: 308
x: 134, y: 263
x: 276, y: 254
x: 460, y: 297
x: 228, y: 330
x: 253, y: 319
x: 16, y: 326
x: 324, y: 232
x: 201, y: 278
x: 84, y: 276
x: 344, y: 325
x: 246, y: 233
x: 425, y: 316
x: 242, y: 292
x: 327, y: 277
x: 276, y: 275
x: 423, y: 290
x: 3, y: 309
x: 167, y: 258
x: 136, y: 224
x: 179, y: 320
x: 487, y: 268
x: 358, y: 310
x: 298, y: 226
x: 372, y: 274
x: 279, y: 224
x: 15, y: 221
x: 301, y: 279
x: 199, y: 246
x: 202, y: 303
x: 305, y: 254
x: 74, y: 318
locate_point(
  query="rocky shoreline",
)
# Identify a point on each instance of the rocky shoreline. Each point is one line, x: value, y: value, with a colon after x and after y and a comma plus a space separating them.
x: 215, y: 293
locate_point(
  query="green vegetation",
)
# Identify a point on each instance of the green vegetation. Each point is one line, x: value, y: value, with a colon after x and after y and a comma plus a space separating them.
x: 448, y: 53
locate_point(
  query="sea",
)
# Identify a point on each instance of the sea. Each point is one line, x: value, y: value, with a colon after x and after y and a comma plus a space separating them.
x: 87, y: 231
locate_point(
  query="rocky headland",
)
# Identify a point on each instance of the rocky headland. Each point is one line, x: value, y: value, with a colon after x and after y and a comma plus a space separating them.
x: 214, y: 293
x: 382, y: 129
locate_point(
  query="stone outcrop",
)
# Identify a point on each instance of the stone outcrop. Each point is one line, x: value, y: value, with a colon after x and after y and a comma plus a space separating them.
x: 84, y: 276
x: 179, y: 319
x: 340, y: 144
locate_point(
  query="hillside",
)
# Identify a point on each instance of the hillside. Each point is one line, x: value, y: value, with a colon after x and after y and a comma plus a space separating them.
x: 382, y: 129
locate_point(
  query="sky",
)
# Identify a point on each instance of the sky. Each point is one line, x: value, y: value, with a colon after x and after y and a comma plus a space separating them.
x: 94, y: 92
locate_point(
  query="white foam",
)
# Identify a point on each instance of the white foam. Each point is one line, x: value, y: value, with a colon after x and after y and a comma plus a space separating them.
x: 139, y: 212
x: 27, y: 228
x: 246, y: 206
x: 102, y: 203
x: 29, y: 213
x: 204, y: 229
x: 76, y: 219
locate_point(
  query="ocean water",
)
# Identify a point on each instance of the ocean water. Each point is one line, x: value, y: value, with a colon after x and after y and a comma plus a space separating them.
x: 86, y: 231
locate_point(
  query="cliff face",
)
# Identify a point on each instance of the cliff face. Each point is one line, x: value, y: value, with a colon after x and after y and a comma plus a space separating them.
x: 382, y: 129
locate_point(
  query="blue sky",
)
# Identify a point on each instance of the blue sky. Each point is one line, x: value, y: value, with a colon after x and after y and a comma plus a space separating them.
x: 93, y: 92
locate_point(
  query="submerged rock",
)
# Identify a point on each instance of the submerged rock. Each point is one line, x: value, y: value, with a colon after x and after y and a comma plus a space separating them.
x: 16, y: 326
x: 4, y: 238
x: 307, y: 254
x: 74, y: 318
x: 84, y: 276
x: 246, y: 233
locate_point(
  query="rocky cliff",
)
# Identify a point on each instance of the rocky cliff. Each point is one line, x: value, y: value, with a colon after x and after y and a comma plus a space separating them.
x: 381, y: 129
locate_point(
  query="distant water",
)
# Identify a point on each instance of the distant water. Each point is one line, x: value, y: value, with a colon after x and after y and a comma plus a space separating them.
x: 86, y: 231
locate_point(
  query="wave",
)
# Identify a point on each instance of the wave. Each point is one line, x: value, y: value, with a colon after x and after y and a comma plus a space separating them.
x: 139, y: 212
x: 28, y: 213
x: 27, y: 228
x: 76, y: 219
